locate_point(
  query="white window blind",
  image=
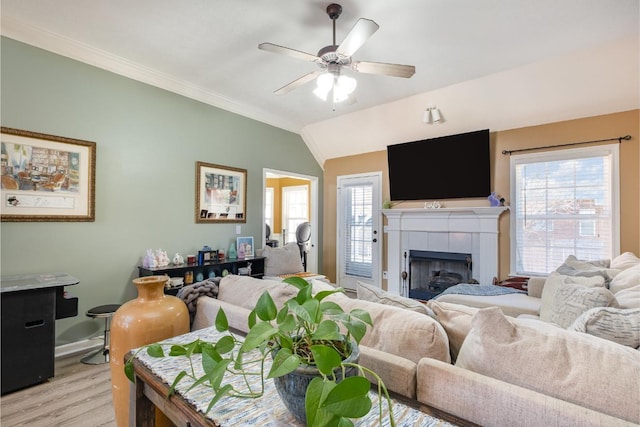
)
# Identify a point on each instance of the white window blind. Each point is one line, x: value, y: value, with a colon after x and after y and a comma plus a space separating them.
x: 358, y: 227
x: 563, y: 203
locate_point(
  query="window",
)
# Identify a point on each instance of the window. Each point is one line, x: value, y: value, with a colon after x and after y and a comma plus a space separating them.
x: 268, y: 207
x: 359, y: 231
x: 295, y: 209
x: 563, y: 203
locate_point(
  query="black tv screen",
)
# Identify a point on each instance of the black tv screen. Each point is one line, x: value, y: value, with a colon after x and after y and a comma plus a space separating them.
x: 449, y: 167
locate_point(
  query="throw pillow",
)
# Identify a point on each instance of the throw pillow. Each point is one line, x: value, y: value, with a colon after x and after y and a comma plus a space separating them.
x: 554, y: 282
x: 372, y: 293
x: 577, y: 368
x: 570, y: 301
x: 613, y: 324
x: 284, y: 260
x: 625, y: 279
x: 456, y: 321
x: 625, y: 260
x: 629, y: 298
x: 575, y: 267
x: 245, y: 291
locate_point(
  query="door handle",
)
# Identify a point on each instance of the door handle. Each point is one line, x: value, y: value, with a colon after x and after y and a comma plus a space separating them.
x: 375, y: 240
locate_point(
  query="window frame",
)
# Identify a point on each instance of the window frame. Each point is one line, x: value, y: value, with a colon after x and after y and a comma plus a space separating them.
x: 612, y: 150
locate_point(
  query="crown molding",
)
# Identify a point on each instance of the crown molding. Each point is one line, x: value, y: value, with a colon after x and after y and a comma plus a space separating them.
x: 70, y: 48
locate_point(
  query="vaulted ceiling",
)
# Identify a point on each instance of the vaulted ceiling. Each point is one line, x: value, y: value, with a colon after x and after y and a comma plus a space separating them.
x: 207, y: 50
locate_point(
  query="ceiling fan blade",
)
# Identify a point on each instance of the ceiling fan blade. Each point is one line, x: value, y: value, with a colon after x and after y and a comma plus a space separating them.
x: 270, y: 47
x: 395, y: 70
x: 299, y: 82
x: 361, y: 31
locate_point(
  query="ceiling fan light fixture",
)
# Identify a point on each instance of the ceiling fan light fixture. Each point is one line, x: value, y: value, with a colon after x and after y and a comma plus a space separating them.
x: 321, y: 93
x: 324, y: 85
x: 343, y: 87
x: 325, y: 81
x: 347, y: 84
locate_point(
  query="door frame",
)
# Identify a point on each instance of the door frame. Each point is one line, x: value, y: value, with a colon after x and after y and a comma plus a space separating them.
x: 312, y: 256
x: 376, y: 276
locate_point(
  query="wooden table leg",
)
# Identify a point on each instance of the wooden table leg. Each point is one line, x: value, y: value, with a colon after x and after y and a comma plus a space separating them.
x: 142, y: 412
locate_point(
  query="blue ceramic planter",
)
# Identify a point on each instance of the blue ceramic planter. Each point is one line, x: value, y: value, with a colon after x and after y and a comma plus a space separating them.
x: 292, y: 387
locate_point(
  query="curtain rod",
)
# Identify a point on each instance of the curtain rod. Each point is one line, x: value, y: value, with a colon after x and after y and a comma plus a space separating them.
x: 619, y: 139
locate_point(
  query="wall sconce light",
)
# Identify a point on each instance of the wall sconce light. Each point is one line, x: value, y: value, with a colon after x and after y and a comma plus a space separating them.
x: 432, y: 115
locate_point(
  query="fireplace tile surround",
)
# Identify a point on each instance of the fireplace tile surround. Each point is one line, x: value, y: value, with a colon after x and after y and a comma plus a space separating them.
x: 471, y: 230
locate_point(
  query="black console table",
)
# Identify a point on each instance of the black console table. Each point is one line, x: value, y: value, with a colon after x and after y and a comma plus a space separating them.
x: 207, y: 270
x: 30, y: 305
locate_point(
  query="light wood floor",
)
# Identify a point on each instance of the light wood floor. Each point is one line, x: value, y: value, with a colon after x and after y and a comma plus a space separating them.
x: 78, y: 395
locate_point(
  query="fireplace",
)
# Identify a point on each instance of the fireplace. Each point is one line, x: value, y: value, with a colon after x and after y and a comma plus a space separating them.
x: 470, y: 231
x: 431, y: 273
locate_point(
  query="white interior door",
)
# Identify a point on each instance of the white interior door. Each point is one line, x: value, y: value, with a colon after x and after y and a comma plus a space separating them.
x: 359, y: 234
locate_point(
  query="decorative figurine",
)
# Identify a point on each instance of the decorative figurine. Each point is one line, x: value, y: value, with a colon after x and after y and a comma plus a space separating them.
x: 494, y: 199
x: 162, y: 258
x: 178, y: 259
x: 149, y: 260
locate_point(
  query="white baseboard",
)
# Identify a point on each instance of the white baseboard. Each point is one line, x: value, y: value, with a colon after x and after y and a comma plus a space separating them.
x: 66, y: 350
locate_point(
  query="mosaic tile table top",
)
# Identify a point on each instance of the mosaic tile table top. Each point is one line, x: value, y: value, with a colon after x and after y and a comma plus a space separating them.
x: 265, y: 411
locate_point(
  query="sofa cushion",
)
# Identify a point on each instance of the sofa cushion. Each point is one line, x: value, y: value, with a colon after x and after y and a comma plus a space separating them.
x: 629, y: 298
x: 372, y: 293
x: 245, y: 291
x: 535, y: 285
x: 578, y: 368
x: 613, y: 324
x: 283, y: 260
x: 510, y: 304
x: 626, y: 279
x: 456, y: 321
x: 570, y: 301
x: 321, y: 285
x: 625, y: 260
x: 575, y: 267
x: 207, y: 310
x: 401, y: 332
x: 554, y: 282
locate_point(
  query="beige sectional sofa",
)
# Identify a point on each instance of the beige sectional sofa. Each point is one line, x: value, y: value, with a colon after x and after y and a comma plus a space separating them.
x: 392, y: 348
x: 476, y: 364
x: 620, y: 276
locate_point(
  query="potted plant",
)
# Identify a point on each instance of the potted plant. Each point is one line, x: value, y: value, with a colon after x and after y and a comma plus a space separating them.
x: 306, y: 334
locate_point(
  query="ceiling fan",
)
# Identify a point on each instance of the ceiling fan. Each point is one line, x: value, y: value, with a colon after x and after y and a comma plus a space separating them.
x: 333, y: 58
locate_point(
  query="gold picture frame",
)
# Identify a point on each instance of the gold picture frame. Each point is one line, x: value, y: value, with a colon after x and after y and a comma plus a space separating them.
x: 46, y: 177
x: 221, y: 194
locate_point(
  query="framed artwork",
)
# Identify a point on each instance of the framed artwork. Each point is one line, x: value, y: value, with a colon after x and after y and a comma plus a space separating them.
x: 245, y: 247
x: 46, y: 177
x: 221, y: 194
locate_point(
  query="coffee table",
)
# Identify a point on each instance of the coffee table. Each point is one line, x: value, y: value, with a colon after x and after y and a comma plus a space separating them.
x: 186, y: 408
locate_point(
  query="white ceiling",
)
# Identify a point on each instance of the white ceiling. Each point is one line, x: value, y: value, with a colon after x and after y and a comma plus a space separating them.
x: 207, y: 49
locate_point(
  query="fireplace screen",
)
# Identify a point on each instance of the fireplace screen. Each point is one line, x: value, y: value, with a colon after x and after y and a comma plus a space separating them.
x: 430, y: 273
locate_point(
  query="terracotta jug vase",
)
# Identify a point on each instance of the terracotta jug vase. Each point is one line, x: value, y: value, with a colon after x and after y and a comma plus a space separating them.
x: 151, y: 317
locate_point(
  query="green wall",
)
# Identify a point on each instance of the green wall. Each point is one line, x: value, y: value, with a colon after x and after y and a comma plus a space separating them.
x: 148, y: 141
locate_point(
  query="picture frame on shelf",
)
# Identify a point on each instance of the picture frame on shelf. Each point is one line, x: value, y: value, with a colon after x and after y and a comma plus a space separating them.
x: 207, y: 257
x: 221, y: 194
x: 46, y: 178
x: 244, y: 246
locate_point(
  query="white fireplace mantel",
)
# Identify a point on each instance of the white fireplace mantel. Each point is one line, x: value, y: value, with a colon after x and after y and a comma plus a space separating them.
x: 471, y: 230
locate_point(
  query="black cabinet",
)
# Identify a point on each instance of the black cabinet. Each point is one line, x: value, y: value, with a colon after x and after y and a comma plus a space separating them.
x: 253, y: 266
x: 30, y: 305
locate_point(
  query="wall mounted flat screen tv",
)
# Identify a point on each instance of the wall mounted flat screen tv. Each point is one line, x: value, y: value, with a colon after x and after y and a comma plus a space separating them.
x: 449, y: 167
